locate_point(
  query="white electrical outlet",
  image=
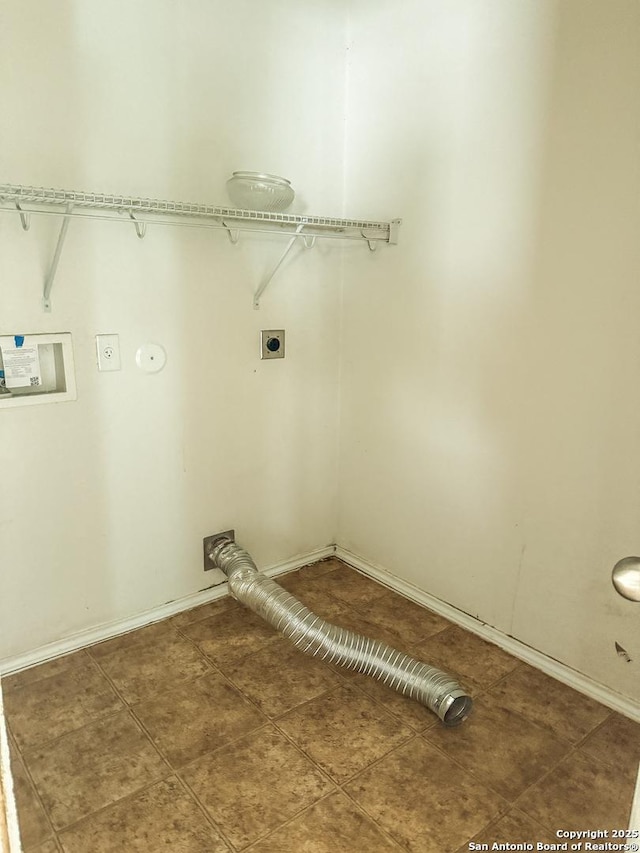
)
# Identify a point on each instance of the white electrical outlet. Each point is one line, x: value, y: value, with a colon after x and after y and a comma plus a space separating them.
x: 108, y: 348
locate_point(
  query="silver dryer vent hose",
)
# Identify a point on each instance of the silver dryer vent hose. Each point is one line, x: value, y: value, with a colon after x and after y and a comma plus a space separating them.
x: 316, y: 637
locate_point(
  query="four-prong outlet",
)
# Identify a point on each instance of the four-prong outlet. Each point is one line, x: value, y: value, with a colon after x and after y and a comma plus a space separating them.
x: 272, y: 343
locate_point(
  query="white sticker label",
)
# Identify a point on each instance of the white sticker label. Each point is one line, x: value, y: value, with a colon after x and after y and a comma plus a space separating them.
x: 21, y: 364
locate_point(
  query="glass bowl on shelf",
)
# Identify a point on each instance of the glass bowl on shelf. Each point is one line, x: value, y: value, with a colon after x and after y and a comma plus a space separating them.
x: 259, y: 191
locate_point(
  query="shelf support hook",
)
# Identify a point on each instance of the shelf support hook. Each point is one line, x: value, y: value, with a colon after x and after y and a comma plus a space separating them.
x: 370, y: 243
x: 48, y: 283
x: 25, y: 218
x: 232, y: 233
x: 309, y: 242
x: 266, y: 282
x: 141, y: 227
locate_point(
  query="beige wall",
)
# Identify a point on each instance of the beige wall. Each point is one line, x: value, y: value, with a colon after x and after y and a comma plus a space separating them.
x: 490, y: 417
x: 105, y: 501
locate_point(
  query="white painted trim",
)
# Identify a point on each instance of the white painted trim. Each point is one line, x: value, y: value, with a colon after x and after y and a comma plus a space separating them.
x: 559, y: 671
x: 107, y: 630
x: 634, y: 820
x: 299, y: 562
x: 7, y: 798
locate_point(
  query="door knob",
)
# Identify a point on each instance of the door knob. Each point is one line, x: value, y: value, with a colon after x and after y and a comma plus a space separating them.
x: 626, y: 578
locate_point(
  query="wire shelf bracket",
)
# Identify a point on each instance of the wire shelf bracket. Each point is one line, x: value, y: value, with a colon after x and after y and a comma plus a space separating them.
x: 267, y: 280
x: 25, y: 218
x: 142, y: 212
x: 48, y: 282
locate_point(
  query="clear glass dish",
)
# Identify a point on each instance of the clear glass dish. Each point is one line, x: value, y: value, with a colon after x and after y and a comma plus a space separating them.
x: 259, y: 191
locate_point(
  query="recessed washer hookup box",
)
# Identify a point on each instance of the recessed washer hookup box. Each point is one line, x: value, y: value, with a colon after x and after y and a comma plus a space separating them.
x: 36, y: 368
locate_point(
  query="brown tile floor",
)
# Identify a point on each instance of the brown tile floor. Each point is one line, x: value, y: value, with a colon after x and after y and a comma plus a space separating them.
x: 208, y: 733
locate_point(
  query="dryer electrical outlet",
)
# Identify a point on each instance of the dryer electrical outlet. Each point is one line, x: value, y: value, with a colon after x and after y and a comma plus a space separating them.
x: 272, y: 343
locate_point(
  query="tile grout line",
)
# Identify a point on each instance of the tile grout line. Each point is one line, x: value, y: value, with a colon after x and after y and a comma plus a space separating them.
x: 483, y: 782
x: 92, y: 815
x: 48, y: 743
x: 274, y: 720
x: 134, y: 717
x: 286, y: 822
x: 537, y: 725
x: 32, y: 784
x: 105, y: 716
x: 207, y: 816
x: 239, y: 660
x: 360, y: 807
x: 465, y: 770
x: 496, y: 821
x: 338, y: 786
x: 541, y: 780
x: 268, y: 724
x: 471, y: 773
x: 575, y: 750
x: 301, y: 749
x: 204, y: 810
x: 580, y: 743
x: 211, y: 669
x: 126, y: 708
x: 169, y: 771
x: 488, y: 694
x: 173, y: 771
x: 9, y: 691
x: 338, y: 790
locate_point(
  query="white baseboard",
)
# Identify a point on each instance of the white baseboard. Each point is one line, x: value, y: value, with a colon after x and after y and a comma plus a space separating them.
x: 559, y: 671
x: 107, y: 630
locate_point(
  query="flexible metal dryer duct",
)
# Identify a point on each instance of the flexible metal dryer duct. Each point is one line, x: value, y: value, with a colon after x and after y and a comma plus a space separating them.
x: 318, y: 638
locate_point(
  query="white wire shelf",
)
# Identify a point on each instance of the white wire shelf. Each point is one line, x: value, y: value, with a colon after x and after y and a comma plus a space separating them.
x: 42, y: 201
x: 141, y: 212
